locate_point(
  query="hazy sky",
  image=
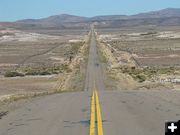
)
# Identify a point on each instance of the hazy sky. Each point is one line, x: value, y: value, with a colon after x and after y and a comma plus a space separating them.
x: 11, y: 10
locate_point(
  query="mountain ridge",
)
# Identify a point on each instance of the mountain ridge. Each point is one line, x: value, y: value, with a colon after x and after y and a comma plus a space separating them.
x: 168, y: 16
x: 168, y: 12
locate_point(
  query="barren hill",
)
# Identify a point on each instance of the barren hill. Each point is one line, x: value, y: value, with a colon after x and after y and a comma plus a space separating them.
x: 165, y: 17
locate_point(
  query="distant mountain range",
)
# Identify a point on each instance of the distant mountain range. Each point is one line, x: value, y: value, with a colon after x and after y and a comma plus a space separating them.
x: 165, y: 17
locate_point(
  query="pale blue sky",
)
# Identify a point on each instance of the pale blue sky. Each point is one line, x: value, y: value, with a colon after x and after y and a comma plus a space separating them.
x: 11, y: 10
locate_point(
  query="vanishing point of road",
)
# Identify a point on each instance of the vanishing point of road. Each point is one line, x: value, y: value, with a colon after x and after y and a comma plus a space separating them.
x: 94, y: 111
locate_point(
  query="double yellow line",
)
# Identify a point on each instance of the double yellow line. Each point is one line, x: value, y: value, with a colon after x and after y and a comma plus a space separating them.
x: 95, y: 109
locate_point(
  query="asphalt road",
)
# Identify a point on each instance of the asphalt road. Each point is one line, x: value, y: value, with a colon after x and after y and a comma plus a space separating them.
x: 122, y: 112
x: 94, y: 75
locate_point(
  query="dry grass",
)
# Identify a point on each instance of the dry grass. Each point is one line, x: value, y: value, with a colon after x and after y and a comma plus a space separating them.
x: 45, y: 65
x: 140, y: 59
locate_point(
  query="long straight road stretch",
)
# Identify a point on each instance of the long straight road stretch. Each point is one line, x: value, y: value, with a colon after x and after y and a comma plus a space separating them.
x: 94, y: 111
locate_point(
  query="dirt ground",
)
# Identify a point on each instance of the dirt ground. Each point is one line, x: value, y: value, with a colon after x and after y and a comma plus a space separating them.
x: 141, y: 59
x: 20, y: 85
x: 45, y: 62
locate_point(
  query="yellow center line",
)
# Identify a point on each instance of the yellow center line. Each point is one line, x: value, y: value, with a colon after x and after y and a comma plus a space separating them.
x: 92, y: 122
x: 95, y: 110
x: 99, y: 118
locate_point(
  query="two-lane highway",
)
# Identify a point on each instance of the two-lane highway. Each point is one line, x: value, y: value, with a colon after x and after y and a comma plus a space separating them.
x: 61, y: 114
x: 94, y: 75
x: 94, y: 111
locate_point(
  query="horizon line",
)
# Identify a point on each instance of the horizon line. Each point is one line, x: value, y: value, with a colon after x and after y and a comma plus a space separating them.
x: 88, y: 16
